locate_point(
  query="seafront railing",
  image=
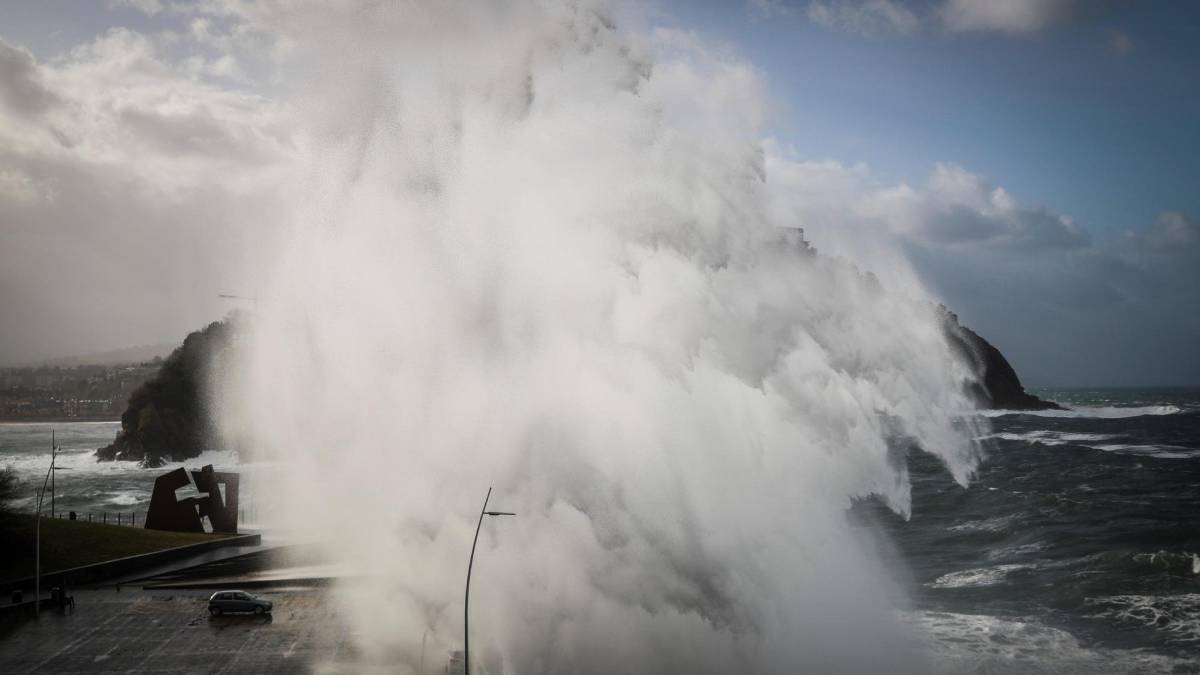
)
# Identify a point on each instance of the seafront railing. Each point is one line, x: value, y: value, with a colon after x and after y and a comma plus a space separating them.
x: 126, y: 518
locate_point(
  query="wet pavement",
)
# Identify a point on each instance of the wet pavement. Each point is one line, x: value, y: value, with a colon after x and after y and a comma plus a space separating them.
x: 137, y: 630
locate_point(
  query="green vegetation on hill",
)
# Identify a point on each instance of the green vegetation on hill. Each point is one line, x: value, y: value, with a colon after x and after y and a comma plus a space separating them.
x: 167, y: 418
x: 75, y: 392
x: 72, y: 543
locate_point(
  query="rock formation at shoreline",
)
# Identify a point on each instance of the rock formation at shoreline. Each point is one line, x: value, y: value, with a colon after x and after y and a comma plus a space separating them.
x: 167, y: 418
x: 997, y: 385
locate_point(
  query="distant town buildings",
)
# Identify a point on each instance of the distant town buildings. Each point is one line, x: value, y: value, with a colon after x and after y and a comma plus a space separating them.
x: 92, y: 392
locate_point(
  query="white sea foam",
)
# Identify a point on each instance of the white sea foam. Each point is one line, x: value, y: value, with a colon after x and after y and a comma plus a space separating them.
x: 1109, y: 412
x: 975, y: 578
x: 88, y: 485
x: 1177, y: 617
x: 82, y: 462
x: 1046, y: 437
x: 1094, y: 441
x: 1016, y: 551
x: 539, y: 252
x: 970, y: 643
x: 993, y: 524
x: 1157, y: 451
x: 129, y: 498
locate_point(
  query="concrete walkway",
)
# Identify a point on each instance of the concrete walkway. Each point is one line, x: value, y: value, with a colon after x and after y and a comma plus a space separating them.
x: 159, y: 631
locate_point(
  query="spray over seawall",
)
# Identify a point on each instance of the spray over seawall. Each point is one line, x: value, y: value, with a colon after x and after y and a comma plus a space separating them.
x: 532, y: 250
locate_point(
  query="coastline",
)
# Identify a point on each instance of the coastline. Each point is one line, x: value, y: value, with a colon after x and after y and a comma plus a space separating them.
x: 57, y: 420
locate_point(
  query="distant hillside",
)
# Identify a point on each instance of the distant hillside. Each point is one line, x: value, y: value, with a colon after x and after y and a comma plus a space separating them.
x: 167, y: 417
x: 84, y: 392
x: 116, y: 357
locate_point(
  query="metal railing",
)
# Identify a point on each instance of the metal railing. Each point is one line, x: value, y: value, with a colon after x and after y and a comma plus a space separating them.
x: 127, y: 518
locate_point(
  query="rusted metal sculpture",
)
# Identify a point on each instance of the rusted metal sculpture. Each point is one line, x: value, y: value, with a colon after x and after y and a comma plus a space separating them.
x: 221, y: 512
x: 168, y: 512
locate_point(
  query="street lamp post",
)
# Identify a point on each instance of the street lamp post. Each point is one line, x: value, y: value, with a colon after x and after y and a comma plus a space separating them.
x: 37, y: 555
x: 54, y: 469
x: 467, y: 598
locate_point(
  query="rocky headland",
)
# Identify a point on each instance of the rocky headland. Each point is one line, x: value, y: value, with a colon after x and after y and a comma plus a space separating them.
x: 167, y: 418
x: 996, y: 385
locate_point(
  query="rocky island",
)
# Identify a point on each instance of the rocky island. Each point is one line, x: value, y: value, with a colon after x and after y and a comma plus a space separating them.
x: 167, y: 418
x: 996, y: 384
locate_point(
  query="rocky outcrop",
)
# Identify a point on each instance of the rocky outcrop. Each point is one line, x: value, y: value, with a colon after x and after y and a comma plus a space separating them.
x: 996, y: 384
x: 167, y: 419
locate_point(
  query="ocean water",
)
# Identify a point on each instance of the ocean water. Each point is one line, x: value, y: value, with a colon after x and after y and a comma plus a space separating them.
x: 86, y: 486
x: 1076, y: 548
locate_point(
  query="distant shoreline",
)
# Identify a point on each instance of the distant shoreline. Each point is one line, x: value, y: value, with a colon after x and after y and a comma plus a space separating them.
x: 56, y: 420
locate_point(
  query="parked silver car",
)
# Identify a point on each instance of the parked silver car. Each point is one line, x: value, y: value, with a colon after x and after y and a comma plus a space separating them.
x: 223, y: 602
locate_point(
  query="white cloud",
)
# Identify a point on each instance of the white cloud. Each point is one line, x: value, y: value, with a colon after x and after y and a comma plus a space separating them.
x: 150, y: 7
x: 900, y: 17
x: 22, y: 92
x: 954, y: 209
x: 20, y: 187
x: 767, y: 9
x: 868, y: 18
x: 1061, y: 303
x: 1004, y: 16
x: 1173, y: 230
x: 121, y: 104
x: 957, y: 207
x: 144, y: 177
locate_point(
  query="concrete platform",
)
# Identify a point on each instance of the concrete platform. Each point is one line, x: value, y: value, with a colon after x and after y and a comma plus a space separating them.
x: 143, y: 631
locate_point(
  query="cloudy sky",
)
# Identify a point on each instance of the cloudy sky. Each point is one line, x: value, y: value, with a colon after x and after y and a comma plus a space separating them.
x: 1035, y: 160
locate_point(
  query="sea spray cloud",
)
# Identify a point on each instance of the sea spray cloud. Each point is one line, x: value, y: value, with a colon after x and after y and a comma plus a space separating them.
x: 537, y: 252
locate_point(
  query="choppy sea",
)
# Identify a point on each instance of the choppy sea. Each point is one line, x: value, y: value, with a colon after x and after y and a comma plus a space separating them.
x: 1076, y: 548
x: 82, y: 484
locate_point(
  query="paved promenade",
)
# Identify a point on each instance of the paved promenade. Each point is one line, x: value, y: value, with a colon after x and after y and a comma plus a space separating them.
x: 145, y: 631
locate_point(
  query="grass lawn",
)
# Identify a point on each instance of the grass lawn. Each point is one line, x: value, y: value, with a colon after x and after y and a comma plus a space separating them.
x: 71, y: 543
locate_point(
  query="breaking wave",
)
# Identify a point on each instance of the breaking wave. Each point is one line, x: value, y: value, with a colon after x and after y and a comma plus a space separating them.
x: 1097, y: 441
x: 536, y: 251
x: 974, y: 578
x: 1177, y: 617
x: 1106, y: 412
x: 971, y: 643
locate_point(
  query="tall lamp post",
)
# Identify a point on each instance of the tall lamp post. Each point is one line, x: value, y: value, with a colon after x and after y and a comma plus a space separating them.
x: 53, y: 491
x: 467, y: 599
x: 37, y: 555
